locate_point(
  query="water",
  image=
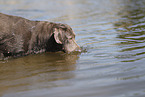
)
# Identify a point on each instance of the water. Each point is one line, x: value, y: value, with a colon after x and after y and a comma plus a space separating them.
x: 112, y: 36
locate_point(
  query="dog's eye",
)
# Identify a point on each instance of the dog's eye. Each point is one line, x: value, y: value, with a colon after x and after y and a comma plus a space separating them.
x: 70, y: 38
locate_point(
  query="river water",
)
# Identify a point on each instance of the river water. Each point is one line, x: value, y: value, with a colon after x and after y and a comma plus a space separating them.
x: 112, y: 63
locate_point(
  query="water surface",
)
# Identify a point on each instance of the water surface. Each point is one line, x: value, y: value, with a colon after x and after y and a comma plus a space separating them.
x: 112, y: 33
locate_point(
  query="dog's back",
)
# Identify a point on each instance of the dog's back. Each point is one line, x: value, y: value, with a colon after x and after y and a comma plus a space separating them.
x: 13, y: 33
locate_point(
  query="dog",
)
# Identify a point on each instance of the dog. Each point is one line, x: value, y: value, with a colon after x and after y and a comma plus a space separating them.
x: 20, y: 36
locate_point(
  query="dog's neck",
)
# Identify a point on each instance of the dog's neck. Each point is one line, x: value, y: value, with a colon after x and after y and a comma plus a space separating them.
x: 41, y: 33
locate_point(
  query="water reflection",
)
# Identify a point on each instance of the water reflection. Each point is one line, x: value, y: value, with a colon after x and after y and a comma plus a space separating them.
x: 36, y: 72
x: 131, y: 30
x: 96, y: 73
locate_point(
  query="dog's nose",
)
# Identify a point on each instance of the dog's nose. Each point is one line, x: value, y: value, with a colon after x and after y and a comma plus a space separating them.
x: 78, y: 49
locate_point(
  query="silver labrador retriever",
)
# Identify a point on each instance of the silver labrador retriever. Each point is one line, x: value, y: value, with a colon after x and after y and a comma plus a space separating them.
x: 20, y: 36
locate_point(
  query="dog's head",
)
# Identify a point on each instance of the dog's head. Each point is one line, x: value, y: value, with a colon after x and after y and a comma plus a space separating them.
x: 65, y: 38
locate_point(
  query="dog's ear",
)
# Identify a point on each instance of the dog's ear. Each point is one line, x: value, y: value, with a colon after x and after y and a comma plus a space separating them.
x: 58, y: 36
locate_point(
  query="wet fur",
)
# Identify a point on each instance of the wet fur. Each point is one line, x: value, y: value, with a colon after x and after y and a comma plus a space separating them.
x: 20, y: 36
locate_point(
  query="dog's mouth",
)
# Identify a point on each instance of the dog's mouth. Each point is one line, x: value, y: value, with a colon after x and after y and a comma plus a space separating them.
x: 77, y: 49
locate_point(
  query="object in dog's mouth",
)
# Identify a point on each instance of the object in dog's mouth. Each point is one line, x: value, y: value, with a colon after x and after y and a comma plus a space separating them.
x: 20, y: 36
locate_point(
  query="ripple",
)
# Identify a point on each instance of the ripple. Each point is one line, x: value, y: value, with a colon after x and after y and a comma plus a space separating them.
x: 111, y: 34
